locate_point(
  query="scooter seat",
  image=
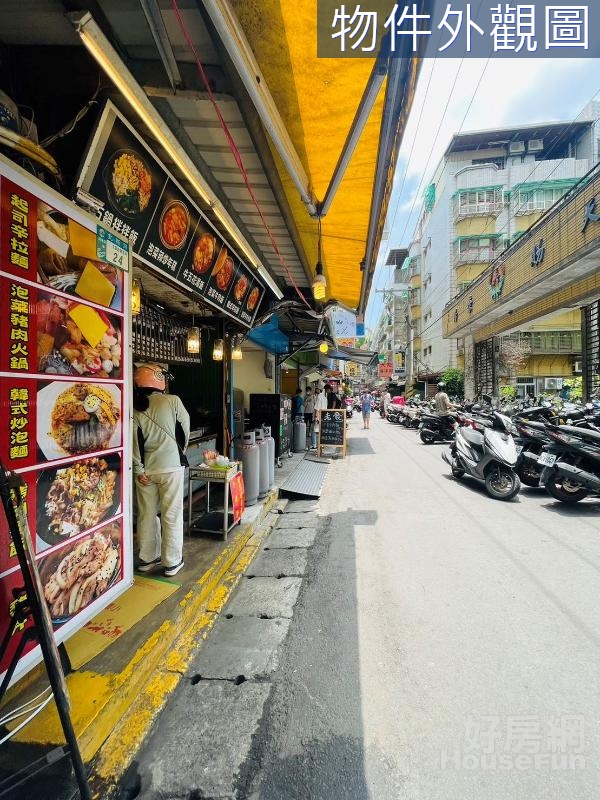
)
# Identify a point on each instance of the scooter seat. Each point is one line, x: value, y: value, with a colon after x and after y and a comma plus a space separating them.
x: 538, y: 426
x: 582, y: 433
x: 472, y: 437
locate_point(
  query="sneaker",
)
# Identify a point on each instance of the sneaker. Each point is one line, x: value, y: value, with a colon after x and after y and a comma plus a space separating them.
x: 147, y: 566
x: 170, y: 571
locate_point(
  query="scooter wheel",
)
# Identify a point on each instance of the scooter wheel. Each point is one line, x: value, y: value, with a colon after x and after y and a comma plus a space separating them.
x: 566, y: 492
x: 502, y: 483
x: 427, y: 437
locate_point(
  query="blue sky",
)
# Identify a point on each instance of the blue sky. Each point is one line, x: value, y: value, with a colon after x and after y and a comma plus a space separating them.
x: 511, y: 92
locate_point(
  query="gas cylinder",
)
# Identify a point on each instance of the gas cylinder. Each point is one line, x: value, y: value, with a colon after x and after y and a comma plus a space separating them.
x: 248, y: 453
x: 299, y: 435
x: 271, y: 451
x: 263, y: 473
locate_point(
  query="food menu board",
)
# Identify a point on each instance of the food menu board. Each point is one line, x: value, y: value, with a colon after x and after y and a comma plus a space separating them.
x: 64, y: 407
x: 134, y: 194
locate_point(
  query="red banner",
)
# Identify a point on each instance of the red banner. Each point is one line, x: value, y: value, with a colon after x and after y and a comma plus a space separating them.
x: 63, y: 421
x: 238, y: 496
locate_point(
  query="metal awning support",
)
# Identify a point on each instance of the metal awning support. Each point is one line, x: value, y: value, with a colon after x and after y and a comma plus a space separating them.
x: 161, y: 39
x: 240, y: 52
x: 363, y: 112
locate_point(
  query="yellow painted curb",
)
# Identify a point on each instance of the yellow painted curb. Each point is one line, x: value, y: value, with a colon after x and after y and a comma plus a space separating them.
x: 114, y: 711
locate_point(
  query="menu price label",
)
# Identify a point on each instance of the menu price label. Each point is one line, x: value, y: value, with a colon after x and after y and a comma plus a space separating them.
x: 64, y: 367
x: 136, y: 196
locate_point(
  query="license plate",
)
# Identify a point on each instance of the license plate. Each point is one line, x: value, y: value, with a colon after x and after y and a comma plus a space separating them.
x: 547, y: 460
x: 519, y: 449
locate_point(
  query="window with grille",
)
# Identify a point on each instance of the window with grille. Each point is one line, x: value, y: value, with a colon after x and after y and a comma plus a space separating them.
x: 532, y: 200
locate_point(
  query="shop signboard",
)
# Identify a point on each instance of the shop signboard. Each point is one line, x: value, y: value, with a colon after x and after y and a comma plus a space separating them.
x: 133, y: 193
x: 385, y: 370
x: 343, y: 324
x: 64, y: 402
x: 332, y: 430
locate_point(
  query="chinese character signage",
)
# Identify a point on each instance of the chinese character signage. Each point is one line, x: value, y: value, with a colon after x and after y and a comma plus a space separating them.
x: 135, y: 195
x: 332, y: 432
x: 385, y: 370
x: 460, y: 28
x: 64, y: 421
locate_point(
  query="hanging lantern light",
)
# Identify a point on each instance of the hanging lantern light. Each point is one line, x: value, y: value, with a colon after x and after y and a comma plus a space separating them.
x: 236, y: 351
x: 218, y: 349
x: 324, y: 348
x: 193, y: 339
x: 136, y: 297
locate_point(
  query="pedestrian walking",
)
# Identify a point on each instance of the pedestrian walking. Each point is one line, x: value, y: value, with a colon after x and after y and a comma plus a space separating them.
x: 387, y: 399
x: 333, y: 398
x: 297, y: 404
x: 161, y: 430
x: 319, y: 406
x: 309, y: 407
x: 366, y: 404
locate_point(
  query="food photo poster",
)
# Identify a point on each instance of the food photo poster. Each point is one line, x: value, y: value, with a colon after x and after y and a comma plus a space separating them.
x: 64, y: 410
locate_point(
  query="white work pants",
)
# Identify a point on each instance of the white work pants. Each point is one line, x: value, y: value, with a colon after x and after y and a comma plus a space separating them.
x: 165, y: 495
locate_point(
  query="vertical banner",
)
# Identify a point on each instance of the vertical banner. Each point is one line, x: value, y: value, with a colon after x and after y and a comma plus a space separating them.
x: 64, y: 409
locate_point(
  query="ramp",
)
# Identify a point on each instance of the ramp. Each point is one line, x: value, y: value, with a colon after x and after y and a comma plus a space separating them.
x: 306, y: 480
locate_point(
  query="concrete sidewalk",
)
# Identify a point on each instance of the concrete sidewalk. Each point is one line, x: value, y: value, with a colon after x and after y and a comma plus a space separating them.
x: 116, y: 696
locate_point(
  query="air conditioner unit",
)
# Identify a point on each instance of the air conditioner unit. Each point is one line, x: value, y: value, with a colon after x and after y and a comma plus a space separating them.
x: 535, y: 145
x: 516, y: 147
x: 553, y: 383
x: 578, y: 367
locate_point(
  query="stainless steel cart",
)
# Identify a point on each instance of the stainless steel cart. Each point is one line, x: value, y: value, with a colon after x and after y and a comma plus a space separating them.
x: 211, y: 521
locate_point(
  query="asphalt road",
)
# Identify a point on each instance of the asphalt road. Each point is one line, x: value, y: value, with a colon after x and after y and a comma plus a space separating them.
x: 445, y: 646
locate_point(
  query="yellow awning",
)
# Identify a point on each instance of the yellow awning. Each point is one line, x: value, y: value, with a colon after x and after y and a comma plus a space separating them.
x: 317, y: 100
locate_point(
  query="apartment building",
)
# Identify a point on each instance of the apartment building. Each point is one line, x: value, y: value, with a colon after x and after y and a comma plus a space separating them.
x: 488, y: 189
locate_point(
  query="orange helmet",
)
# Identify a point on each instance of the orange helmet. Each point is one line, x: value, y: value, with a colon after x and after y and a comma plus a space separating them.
x: 151, y: 376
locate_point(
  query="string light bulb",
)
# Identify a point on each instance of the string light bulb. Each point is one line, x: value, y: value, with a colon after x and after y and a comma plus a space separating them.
x: 319, y: 284
x: 324, y: 348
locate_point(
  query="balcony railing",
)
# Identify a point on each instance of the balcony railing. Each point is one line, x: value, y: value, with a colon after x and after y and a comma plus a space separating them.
x: 464, y: 210
x: 483, y: 255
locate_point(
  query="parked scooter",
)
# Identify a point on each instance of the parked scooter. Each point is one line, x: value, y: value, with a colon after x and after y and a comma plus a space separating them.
x: 487, y: 454
x: 437, y: 428
x: 571, y: 463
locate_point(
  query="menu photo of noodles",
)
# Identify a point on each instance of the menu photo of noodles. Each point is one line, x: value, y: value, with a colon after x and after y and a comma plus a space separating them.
x: 77, y: 418
x: 76, y: 575
x: 74, y: 498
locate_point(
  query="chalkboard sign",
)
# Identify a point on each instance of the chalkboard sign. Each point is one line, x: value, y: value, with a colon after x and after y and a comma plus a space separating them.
x: 332, y: 432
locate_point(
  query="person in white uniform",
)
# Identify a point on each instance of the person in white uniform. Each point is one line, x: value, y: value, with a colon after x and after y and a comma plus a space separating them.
x: 161, y: 430
x: 320, y: 404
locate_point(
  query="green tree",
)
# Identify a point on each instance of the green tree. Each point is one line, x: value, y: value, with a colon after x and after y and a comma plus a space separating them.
x: 455, y: 382
x: 510, y: 392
